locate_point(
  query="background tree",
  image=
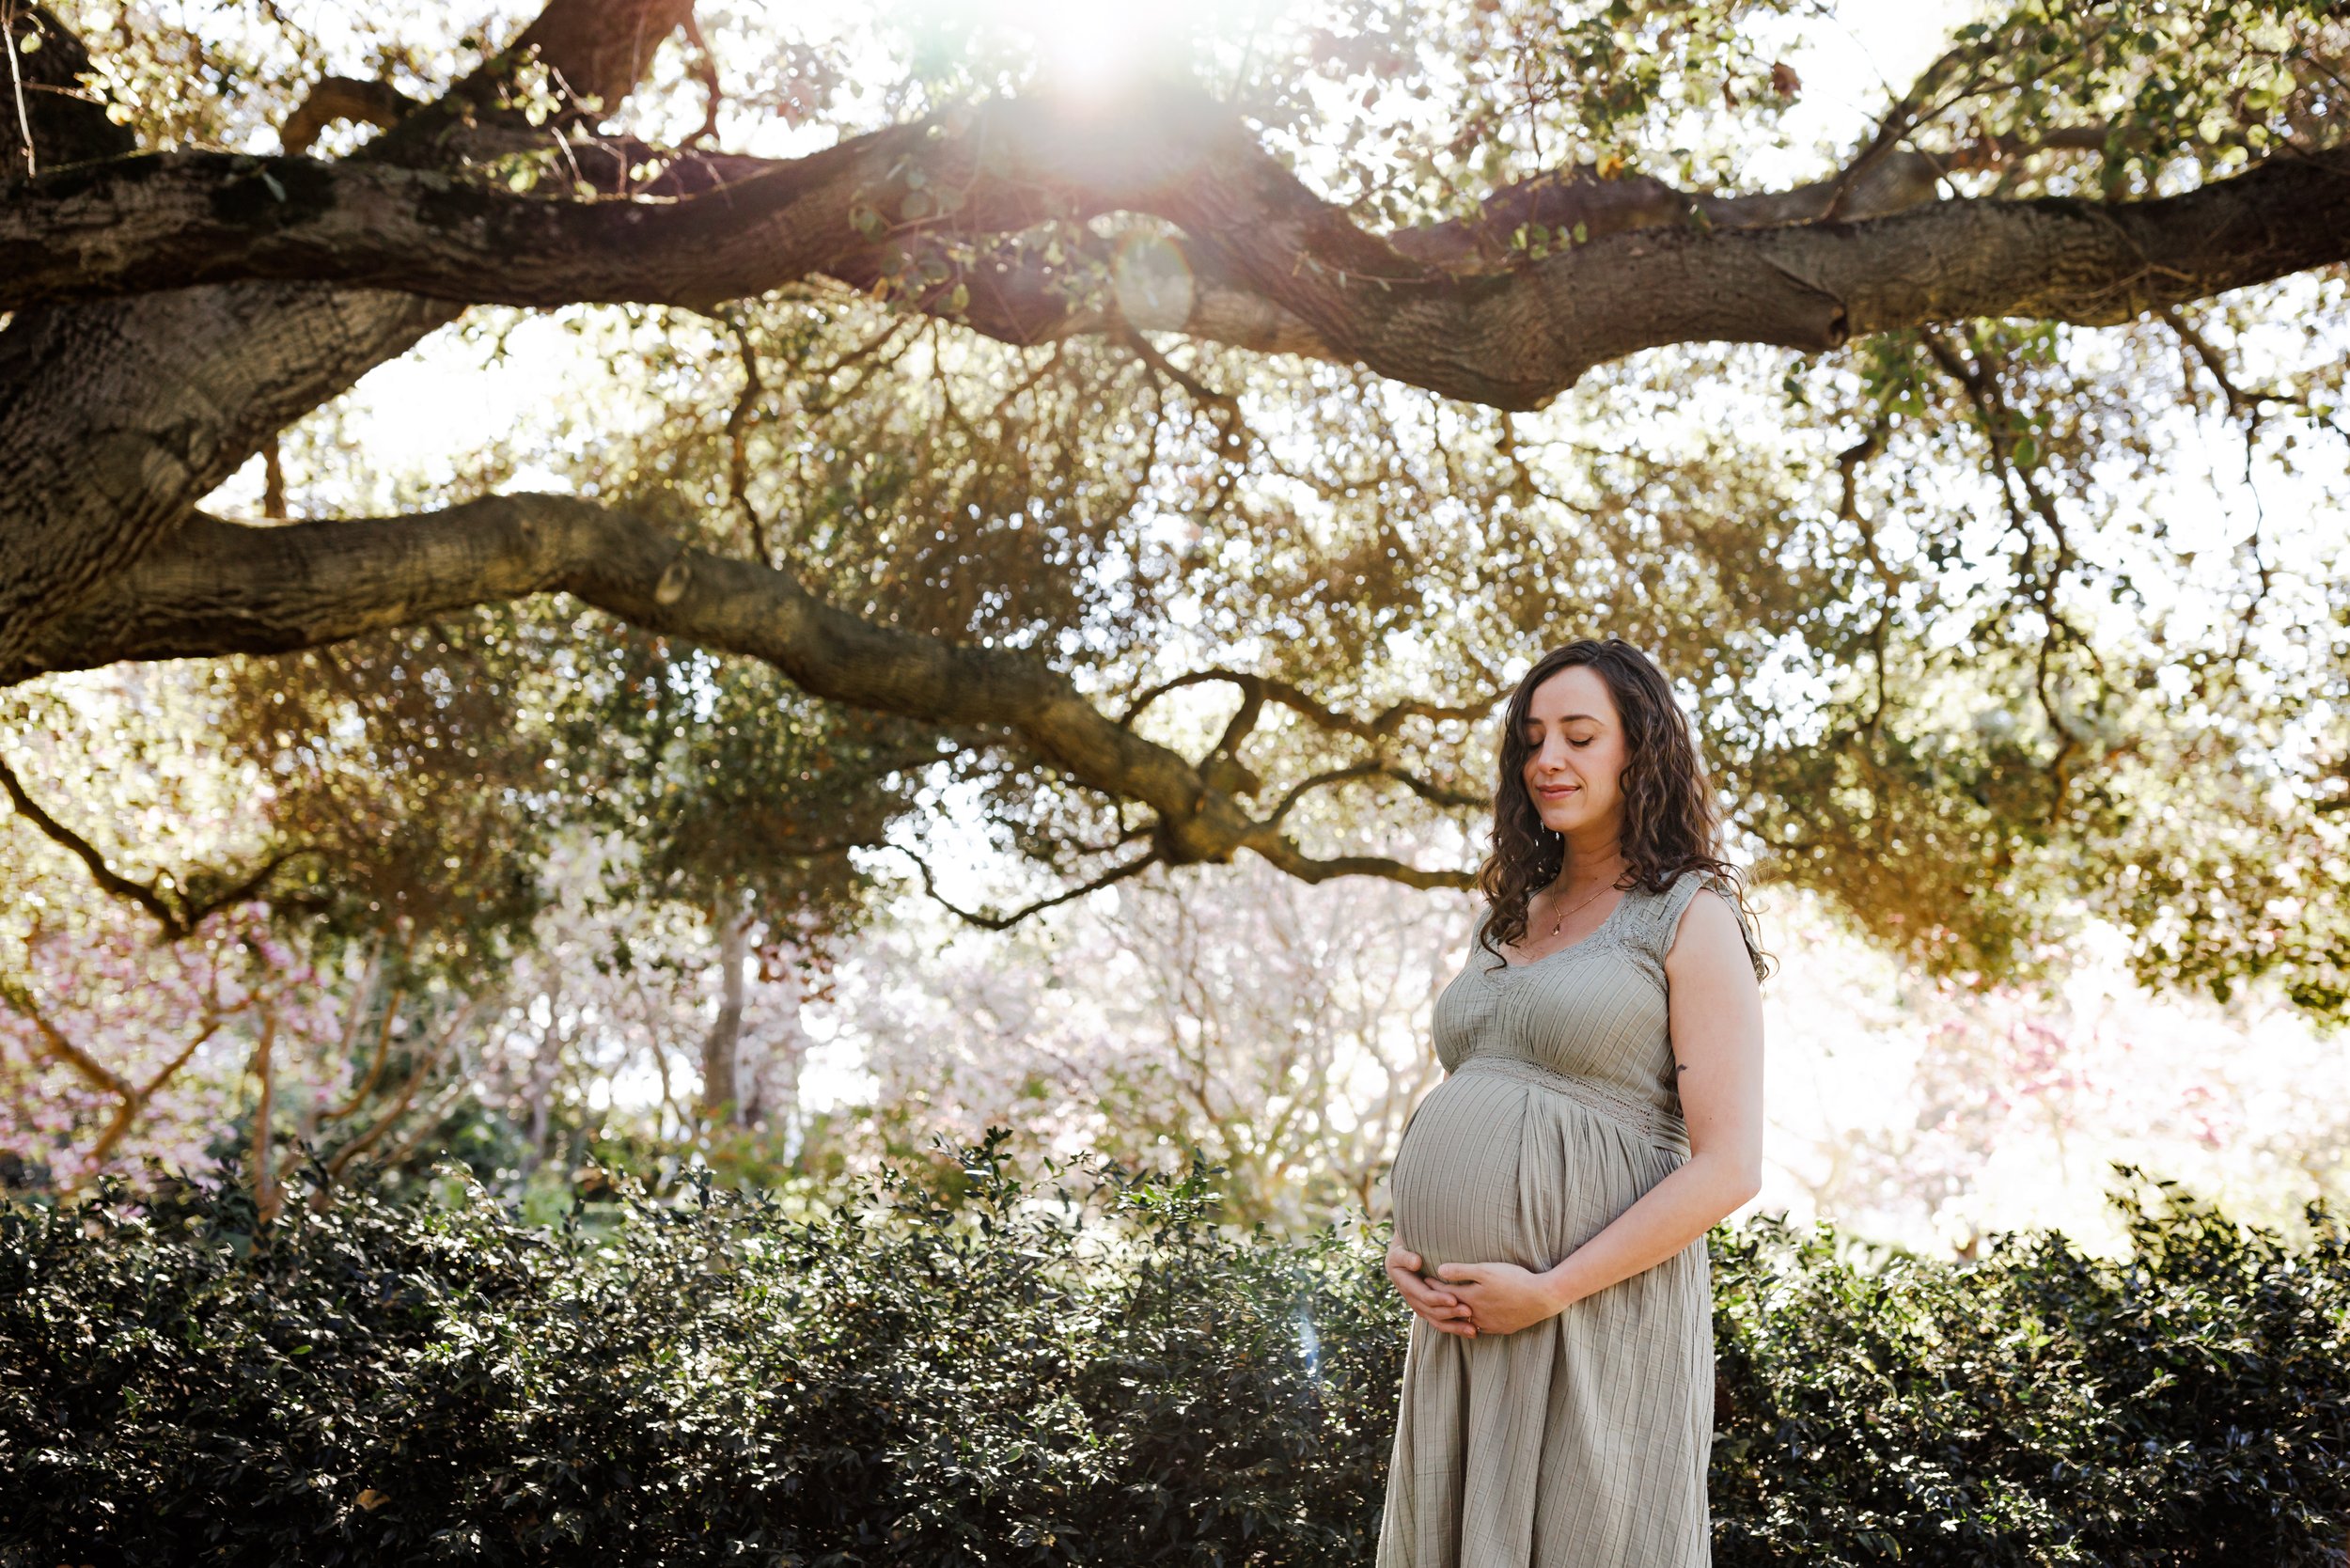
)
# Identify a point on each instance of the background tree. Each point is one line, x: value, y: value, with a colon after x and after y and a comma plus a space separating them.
x: 1175, y: 460
x: 1279, y: 1029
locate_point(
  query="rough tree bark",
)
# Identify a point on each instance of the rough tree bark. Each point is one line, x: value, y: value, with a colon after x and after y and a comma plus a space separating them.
x: 1424, y: 308
x: 116, y: 416
x: 219, y: 586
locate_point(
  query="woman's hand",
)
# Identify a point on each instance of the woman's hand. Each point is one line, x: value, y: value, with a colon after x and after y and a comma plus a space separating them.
x: 1441, y: 1307
x: 1501, y: 1298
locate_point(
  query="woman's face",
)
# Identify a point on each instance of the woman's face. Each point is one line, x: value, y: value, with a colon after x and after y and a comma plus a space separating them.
x: 1575, y: 755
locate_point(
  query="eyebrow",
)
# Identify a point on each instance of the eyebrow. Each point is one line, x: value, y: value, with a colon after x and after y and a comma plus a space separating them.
x: 1569, y: 719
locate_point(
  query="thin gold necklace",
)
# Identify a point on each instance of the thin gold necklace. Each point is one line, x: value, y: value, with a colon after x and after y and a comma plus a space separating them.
x: 1559, y: 923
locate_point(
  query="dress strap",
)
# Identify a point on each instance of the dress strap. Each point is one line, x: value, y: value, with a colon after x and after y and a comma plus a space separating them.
x: 1663, y: 926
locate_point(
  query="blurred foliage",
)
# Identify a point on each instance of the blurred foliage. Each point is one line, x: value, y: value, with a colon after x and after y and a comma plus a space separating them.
x: 794, y: 1377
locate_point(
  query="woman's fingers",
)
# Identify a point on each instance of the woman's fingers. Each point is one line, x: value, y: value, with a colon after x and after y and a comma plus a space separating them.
x: 1422, y: 1299
x: 1438, y: 1306
x: 1435, y: 1299
x: 1452, y: 1320
x: 1403, y: 1266
x: 1418, y: 1291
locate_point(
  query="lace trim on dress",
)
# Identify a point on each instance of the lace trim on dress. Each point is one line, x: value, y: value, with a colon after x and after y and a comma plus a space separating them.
x: 1598, y: 1095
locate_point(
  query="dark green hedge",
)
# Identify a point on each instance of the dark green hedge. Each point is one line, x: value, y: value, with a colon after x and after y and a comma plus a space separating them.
x: 1002, y: 1377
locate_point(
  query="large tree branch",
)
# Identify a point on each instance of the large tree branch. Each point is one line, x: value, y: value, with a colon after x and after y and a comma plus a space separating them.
x: 220, y: 587
x: 118, y: 416
x: 1511, y: 335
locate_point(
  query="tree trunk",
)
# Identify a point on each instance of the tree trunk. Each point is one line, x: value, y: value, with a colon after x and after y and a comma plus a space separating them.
x: 267, y: 1198
x: 721, y: 1099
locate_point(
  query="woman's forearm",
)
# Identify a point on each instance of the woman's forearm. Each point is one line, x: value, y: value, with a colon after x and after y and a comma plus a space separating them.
x: 1665, y: 1218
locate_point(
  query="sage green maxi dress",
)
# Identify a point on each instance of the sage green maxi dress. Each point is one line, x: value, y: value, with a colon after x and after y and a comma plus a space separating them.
x: 1582, y: 1441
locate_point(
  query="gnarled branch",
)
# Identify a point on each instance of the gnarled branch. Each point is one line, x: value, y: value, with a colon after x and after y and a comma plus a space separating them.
x: 1509, y: 335
x: 177, y: 914
x: 222, y: 587
x: 121, y: 413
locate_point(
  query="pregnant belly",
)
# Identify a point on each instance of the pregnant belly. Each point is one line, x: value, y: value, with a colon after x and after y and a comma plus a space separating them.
x: 1495, y: 1169
x: 1456, y: 1178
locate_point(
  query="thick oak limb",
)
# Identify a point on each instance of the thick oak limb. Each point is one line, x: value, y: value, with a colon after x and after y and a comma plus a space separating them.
x: 118, y: 416
x: 1515, y: 337
x: 1511, y: 337
x: 1168, y: 285
x: 1581, y: 198
x: 173, y: 220
x: 219, y: 587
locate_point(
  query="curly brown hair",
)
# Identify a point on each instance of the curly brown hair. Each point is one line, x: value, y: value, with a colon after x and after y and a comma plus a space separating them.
x: 1670, y: 822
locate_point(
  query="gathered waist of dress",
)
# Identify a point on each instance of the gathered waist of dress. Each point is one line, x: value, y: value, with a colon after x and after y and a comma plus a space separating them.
x: 1611, y: 1100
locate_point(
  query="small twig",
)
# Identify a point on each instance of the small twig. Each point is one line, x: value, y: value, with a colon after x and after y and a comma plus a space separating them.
x: 1892, y: 131
x: 1378, y: 728
x: 145, y: 894
x: 1848, y: 465
x: 1433, y: 794
x: 738, y: 437
x: 705, y: 71
x: 1002, y: 923
x: 250, y: 886
x: 398, y: 1109
x: 8, y: 18
x: 1051, y: 362
x: 1980, y: 380
x: 382, y: 1053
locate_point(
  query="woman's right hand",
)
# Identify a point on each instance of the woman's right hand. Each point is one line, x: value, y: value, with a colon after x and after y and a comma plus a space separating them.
x: 1444, y: 1311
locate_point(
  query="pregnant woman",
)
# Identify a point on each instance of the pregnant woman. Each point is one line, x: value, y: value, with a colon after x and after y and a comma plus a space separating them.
x: 1601, y: 1109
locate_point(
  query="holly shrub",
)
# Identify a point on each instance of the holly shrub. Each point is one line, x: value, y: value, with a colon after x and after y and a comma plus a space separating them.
x: 1079, y: 1365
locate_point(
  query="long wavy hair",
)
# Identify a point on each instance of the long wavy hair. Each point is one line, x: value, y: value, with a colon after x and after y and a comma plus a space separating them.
x: 1670, y: 823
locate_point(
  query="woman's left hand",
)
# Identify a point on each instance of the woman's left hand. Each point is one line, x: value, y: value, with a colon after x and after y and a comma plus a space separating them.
x: 1502, y: 1298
